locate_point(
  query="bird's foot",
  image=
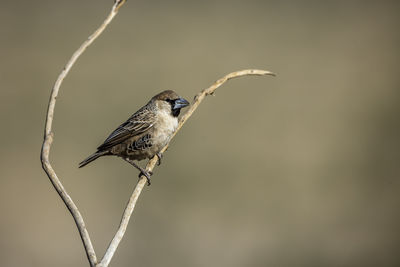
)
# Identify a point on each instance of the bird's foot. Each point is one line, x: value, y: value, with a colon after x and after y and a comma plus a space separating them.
x: 159, y: 156
x: 147, y: 174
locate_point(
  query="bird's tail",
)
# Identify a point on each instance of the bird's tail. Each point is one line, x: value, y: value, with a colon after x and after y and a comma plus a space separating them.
x: 92, y: 157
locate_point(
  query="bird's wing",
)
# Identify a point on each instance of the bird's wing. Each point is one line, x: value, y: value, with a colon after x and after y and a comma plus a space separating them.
x: 138, y: 123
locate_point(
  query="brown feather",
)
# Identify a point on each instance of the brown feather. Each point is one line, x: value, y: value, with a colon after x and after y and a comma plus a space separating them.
x: 146, y: 132
x: 138, y: 123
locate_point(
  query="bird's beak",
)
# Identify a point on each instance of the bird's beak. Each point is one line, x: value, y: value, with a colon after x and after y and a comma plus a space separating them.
x: 180, y: 103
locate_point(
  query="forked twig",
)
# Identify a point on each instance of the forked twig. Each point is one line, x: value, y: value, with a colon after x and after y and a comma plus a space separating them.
x: 48, y: 137
x: 152, y: 163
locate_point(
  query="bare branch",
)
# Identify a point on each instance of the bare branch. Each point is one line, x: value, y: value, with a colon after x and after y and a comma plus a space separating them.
x: 152, y: 163
x: 48, y: 138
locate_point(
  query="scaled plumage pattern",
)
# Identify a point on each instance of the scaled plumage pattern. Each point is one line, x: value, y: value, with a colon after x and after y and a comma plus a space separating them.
x: 145, y: 133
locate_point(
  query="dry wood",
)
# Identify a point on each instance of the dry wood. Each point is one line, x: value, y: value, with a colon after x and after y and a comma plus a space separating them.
x: 48, y: 140
x: 48, y: 137
x: 152, y: 163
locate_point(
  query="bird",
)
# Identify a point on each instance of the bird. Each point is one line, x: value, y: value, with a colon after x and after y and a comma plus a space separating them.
x: 145, y: 133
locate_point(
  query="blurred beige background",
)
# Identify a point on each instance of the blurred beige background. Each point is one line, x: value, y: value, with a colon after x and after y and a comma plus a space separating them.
x: 297, y: 170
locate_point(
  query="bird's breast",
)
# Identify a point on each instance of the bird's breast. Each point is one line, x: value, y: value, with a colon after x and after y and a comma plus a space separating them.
x: 165, y: 127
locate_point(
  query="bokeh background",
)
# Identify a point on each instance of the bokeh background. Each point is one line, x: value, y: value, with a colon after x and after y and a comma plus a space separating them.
x: 297, y: 170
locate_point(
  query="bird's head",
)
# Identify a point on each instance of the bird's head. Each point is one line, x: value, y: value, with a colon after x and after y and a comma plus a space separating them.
x: 170, y: 101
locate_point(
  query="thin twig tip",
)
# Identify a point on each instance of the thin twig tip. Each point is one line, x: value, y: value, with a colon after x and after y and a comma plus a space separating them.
x: 265, y: 72
x: 271, y: 74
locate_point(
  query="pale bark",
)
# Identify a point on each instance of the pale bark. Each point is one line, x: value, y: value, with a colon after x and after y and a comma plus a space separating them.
x: 48, y: 140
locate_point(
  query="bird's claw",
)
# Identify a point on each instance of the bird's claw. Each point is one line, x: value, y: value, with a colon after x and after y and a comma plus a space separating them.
x: 159, y: 156
x: 147, y: 174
